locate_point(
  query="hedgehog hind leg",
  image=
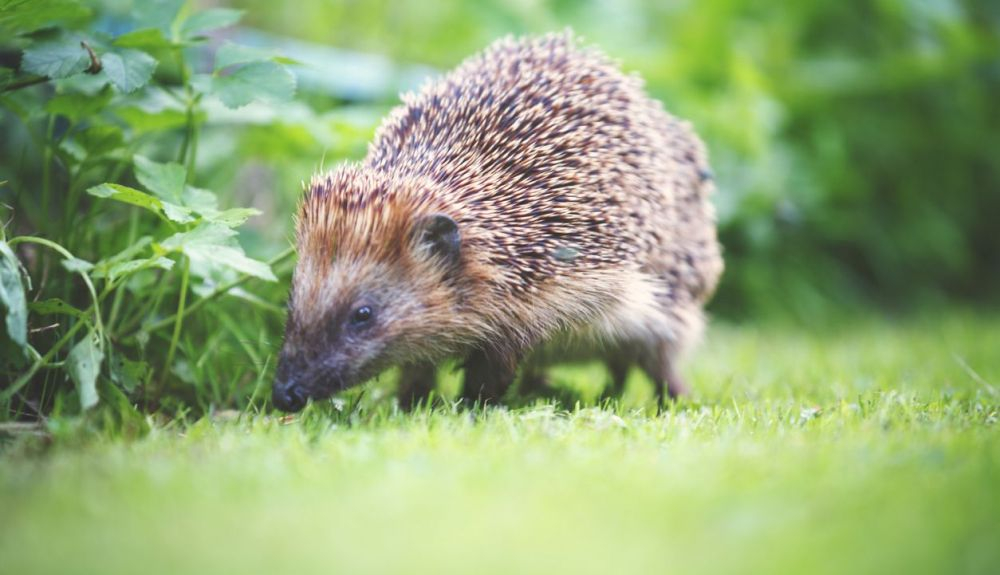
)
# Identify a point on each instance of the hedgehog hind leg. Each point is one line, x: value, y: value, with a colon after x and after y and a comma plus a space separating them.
x: 659, y: 362
x: 416, y: 383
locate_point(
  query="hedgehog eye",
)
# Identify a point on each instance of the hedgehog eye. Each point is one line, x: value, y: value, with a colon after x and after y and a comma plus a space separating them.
x: 361, y: 315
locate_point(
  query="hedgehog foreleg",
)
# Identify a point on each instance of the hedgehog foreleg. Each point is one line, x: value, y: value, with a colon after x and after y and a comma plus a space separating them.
x: 416, y: 382
x: 488, y: 375
x: 618, y: 364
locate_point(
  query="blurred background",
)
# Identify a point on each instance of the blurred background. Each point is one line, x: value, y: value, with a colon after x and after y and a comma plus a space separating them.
x: 856, y: 144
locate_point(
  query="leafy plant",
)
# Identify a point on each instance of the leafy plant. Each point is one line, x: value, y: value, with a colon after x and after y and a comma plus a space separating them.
x: 147, y: 246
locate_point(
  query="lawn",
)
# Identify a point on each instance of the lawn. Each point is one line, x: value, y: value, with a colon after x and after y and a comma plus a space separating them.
x: 867, y: 447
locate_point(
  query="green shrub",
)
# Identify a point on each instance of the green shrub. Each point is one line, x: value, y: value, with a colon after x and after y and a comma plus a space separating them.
x: 107, y: 253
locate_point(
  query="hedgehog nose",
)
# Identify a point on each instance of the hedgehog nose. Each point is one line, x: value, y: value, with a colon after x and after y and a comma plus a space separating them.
x: 288, y: 397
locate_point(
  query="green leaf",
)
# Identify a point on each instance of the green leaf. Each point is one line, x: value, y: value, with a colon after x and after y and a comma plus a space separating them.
x: 146, y: 38
x: 233, y: 217
x: 203, y: 235
x: 230, y: 54
x: 76, y: 265
x: 176, y: 213
x: 84, y: 365
x: 126, y: 194
x: 125, y: 268
x: 12, y: 296
x: 56, y: 58
x: 266, y: 81
x: 100, y: 140
x: 77, y: 106
x: 126, y: 254
x: 213, y: 19
x: 6, y: 75
x: 164, y: 180
x: 126, y: 373
x: 231, y: 257
x: 213, y: 245
x: 159, y: 14
x: 128, y: 69
x: 153, y: 121
x: 23, y: 16
x: 125, y: 262
x: 54, y: 306
x: 200, y: 200
x: 134, y: 197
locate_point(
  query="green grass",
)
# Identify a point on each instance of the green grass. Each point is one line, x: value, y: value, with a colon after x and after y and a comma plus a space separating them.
x: 866, y: 448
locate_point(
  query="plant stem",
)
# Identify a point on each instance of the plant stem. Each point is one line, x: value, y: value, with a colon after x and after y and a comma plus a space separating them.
x: 67, y: 255
x: 189, y: 143
x: 42, y: 361
x: 133, y: 227
x: 25, y: 82
x: 178, y: 322
x: 47, y: 168
x: 218, y: 291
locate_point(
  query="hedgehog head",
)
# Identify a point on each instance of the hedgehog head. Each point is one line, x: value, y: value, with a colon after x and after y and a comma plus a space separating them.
x: 377, y: 283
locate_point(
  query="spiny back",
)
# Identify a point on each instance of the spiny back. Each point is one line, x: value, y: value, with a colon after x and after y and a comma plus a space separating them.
x: 558, y: 164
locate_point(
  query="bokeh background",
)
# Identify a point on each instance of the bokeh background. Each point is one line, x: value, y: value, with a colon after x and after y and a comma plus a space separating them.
x: 856, y: 144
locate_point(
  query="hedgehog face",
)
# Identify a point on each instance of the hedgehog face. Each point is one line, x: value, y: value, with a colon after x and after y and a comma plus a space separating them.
x: 368, y: 309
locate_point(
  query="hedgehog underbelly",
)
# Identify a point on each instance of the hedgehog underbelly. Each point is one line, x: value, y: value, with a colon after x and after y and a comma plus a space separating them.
x: 634, y: 314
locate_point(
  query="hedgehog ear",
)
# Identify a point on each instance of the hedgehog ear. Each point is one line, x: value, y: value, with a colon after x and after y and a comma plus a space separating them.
x: 439, y: 234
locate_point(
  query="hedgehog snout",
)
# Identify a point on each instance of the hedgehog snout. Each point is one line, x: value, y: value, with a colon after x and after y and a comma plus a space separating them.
x: 288, y: 397
x: 288, y: 392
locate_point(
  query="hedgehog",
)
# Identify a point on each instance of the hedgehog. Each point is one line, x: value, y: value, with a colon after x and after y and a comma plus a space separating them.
x: 534, y: 202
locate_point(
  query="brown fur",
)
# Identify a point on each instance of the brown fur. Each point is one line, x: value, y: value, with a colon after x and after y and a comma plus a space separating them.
x: 583, y: 212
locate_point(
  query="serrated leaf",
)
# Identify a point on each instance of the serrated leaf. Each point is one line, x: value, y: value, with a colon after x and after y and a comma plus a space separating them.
x: 77, y: 106
x: 12, y: 297
x: 267, y: 81
x: 84, y: 365
x: 126, y: 254
x: 54, y: 306
x: 153, y: 121
x: 126, y: 194
x: 76, y: 265
x: 165, y: 180
x: 23, y: 16
x: 211, y: 245
x: 203, y: 235
x: 127, y: 373
x: 231, y: 218
x: 178, y: 214
x: 200, y: 200
x: 56, y: 58
x: 146, y: 38
x: 231, y: 257
x: 128, y: 69
x: 120, y: 269
x: 134, y: 197
x: 100, y: 140
x: 125, y: 262
x: 230, y: 54
x: 207, y: 20
x: 159, y: 14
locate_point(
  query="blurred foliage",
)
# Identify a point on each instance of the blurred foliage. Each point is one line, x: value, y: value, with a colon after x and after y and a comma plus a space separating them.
x: 105, y: 252
x: 855, y: 143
